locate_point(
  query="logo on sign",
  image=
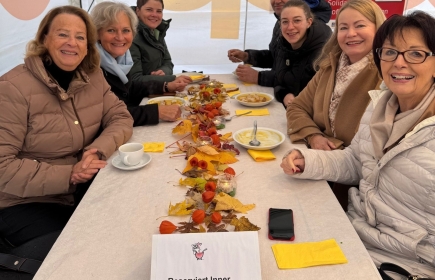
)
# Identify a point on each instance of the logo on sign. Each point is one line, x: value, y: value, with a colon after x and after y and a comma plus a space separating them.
x: 196, y: 248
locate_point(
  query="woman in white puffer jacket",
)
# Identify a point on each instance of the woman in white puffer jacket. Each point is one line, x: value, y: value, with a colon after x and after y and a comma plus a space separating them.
x: 392, y: 157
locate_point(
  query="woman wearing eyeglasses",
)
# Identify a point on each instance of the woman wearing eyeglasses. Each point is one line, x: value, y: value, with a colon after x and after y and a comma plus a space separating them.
x: 392, y: 154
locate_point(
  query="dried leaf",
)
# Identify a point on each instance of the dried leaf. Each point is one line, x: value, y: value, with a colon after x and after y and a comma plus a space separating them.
x: 243, y: 224
x: 228, y: 218
x: 202, y: 229
x: 187, y: 228
x: 180, y: 209
x: 226, y: 202
x: 216, y: 228
x: 195, y: 131
x: 227, y: 157
x: 193, y: 182
x: 183, y: 127
x: 208, y: 150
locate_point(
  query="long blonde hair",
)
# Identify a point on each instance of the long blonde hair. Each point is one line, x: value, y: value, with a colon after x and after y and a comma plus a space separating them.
x: 368, y: 9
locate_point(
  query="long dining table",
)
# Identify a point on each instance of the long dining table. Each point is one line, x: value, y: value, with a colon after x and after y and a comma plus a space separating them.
x: 109, y: 236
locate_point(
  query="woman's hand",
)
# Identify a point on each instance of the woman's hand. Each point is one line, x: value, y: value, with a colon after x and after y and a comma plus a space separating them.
x: 237, y: 55
x: 85, y: 169
x: 169, y: 112
x: 293, y: 163
x: 318, y: 142
x: 177, y: 85
x: 184, y: 79
x: 288, y: 99
x: 246, y: 74
x: 158, y: 73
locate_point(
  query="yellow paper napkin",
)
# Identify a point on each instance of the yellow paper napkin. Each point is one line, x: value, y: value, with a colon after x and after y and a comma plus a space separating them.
x: 229, y: 86
x: 197, y: 77
x: 254, y: 112
x: 261, y: 155
x: 308, y: 254
x: 232, y: 93
x: 247, y: 84
x: 155, y: 147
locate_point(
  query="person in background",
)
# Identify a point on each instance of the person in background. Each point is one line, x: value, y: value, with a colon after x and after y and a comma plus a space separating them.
x: 302, y: 39
x: 52, y: 108
x: 391, y: 156
x: 116, y: 26
x: 151, y: 58
x: 266, y: 58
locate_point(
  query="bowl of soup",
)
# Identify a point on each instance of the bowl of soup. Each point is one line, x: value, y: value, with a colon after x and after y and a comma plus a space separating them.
x: 268, y: 137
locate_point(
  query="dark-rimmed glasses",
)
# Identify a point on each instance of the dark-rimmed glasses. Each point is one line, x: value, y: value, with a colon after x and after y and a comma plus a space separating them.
x: 410, y: 56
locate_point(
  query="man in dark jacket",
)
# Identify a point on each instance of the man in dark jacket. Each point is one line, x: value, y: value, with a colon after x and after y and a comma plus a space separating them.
x: 266, y: 58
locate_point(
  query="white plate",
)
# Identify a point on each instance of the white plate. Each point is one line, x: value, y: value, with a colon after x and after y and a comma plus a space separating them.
x: 269, y: 138
x: 160, y: 100
x: 117, y: 162
x: 255, y: 104
x: 190, y: 74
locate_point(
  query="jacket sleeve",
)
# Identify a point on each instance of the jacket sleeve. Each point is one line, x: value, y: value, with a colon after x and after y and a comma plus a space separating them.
x: 136, y: 71
x: 167, y: 65
x: 24, y: 177
x: 117, y: 124
x: 342, y: 166
x: 300, y: 123
x: 138, y: 90
x: 322, y: 11
x: 260, y: 58
x: 266, y: 78
x: 145, y: 114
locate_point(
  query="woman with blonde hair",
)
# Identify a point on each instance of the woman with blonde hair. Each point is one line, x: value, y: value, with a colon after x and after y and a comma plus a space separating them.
x: 59, y: 123
x: 327, y: 112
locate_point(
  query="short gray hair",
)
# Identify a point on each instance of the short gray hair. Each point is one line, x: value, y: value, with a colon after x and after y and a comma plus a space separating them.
x: 105, y: 13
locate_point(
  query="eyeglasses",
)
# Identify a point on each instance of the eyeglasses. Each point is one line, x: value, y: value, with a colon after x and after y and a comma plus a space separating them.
x: 410, y: 56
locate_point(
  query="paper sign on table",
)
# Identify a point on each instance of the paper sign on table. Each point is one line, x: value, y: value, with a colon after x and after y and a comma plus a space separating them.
x: 254, y: 112
x: 211, y: 256
x: 261, y: 155
x: 308, y: 254
x: 156, y: 147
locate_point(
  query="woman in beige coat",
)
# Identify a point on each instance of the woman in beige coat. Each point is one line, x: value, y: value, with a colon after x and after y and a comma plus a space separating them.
x: 326, y: 114
x: 59, y: 122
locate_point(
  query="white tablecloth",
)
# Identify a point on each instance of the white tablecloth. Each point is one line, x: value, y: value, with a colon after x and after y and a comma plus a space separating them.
x: 109, y: 235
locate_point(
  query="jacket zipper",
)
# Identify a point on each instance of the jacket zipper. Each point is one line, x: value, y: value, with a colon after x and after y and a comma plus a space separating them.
x: 80, y: 122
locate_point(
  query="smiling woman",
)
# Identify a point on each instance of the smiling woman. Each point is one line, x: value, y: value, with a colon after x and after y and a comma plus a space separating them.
x: 116, y: 25
x: 59, y: 124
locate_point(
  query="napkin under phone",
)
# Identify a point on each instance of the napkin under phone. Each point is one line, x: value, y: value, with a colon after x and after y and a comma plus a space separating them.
x: 281, y: 224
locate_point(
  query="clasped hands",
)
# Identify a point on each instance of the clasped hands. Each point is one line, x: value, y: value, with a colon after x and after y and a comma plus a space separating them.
x: 293, y: 163
x: 85, y: 169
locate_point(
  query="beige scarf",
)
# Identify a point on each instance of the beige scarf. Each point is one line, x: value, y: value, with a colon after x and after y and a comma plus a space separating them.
x: 345, y: 74
x: 387, y: 127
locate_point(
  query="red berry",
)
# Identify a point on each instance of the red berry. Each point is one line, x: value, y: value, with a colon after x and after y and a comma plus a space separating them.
x: 193, y: 161
x: 208, y: 196
x: 229, y: 170
x: 202, y: 164
x: 216, y: 217
x: 217, y: 91
x: 211, y: 131
x: 210, y: 186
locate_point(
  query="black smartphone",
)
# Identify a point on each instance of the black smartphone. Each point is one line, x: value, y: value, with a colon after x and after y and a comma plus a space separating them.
x: 281, y: 224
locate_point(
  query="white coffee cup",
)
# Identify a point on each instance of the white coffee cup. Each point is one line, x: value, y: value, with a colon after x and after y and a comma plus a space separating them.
x: 131, y: 153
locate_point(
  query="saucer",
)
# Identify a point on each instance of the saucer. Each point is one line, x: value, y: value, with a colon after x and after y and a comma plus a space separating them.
x: 146, y: 158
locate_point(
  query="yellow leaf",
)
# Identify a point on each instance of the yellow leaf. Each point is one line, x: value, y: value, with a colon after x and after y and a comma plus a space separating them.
x: 191, y: 182
x: 202, y: 229
x: 208, y: 150
x: 200, y: 156
x: 195, y: 131
x: 227, y: 157
x: 179, y: 209
x: 243, y: 224
x: 226, y: 136
x: 183, y: 127
x: 226, y: 202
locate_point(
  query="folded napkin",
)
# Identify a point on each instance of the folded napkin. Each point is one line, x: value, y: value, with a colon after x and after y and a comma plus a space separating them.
x: 308, y: 254
x: 229, y: 86
x: 254, y: 112
x: 247, y: 84
x: 197, y: 77
x: 156, y: 147
x: 261, y: 155
x: 232, y: 93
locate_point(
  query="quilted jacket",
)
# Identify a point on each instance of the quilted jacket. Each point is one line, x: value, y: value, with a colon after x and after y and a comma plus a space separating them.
x: 44, y: 130
x: 393, y: 211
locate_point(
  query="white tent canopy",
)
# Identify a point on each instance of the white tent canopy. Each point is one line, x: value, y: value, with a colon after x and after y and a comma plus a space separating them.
x: 201, y: 31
